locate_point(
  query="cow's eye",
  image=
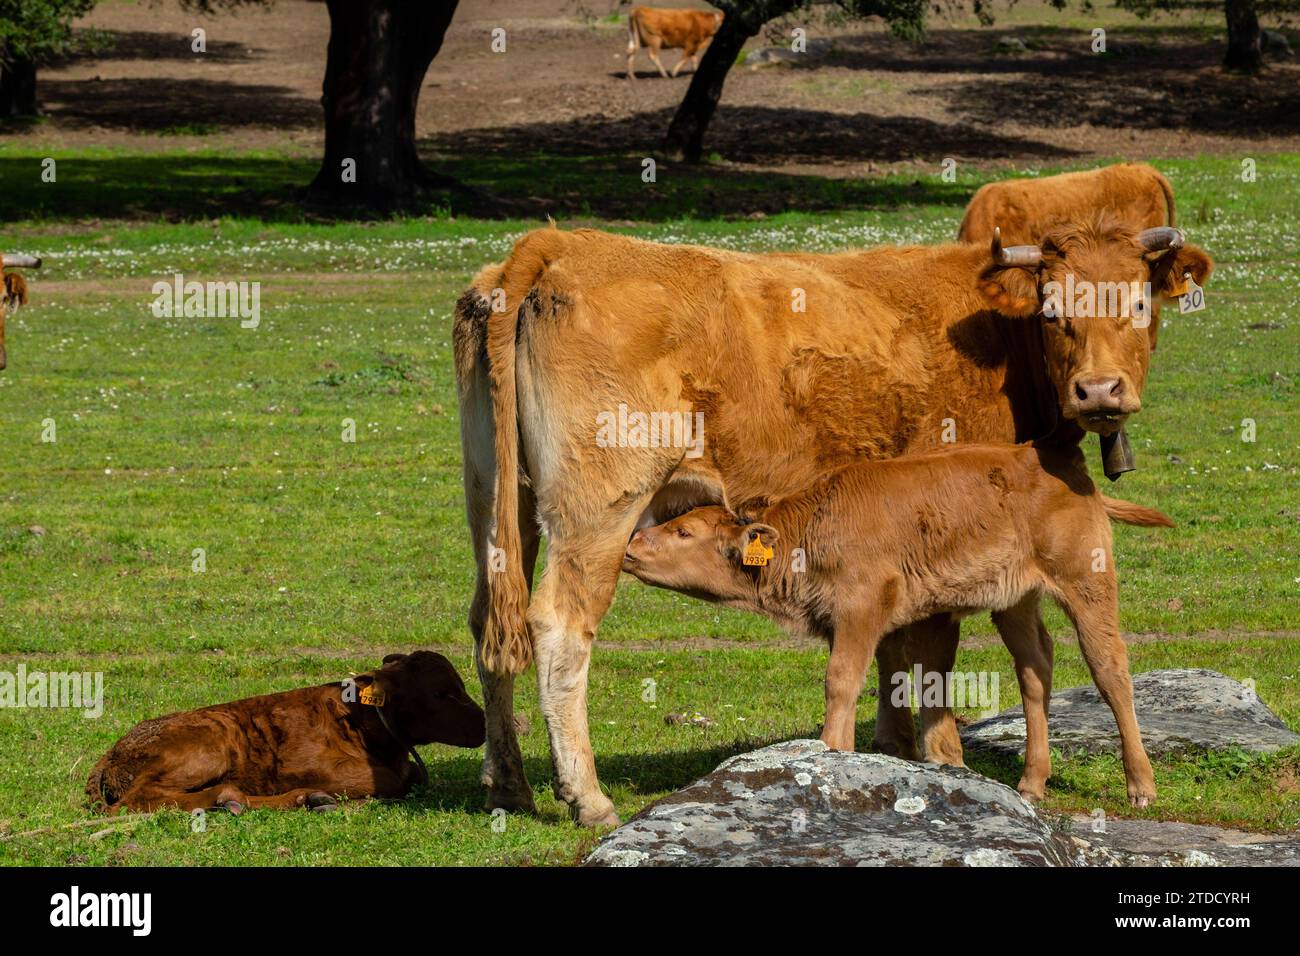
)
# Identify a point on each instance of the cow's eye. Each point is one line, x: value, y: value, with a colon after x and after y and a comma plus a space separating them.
x: 683, y: 533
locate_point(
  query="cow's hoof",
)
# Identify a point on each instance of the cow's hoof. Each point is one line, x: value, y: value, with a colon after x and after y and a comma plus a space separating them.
x: 512, y: 800
x: 1031, y: 795
x: 1141, y: 800
x: 321, y: 802
x: 234, y: 807
x: 596, y: 818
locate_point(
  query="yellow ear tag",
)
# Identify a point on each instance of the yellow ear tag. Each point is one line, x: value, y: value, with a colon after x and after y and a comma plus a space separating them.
x: 372, y: 696
x: 758, y: 554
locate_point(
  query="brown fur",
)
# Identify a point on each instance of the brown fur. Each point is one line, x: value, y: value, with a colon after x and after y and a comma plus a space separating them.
x: 687, y: 30
x: 14, y: 295
x: 279, y: 750
x: 1027, y: 209
x: 888, y: 543
x: 893, y: 342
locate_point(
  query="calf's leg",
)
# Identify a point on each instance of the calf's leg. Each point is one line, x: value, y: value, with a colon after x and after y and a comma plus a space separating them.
x: 1022, y: 631
x: 856, y: 636
x: 1093, y: 607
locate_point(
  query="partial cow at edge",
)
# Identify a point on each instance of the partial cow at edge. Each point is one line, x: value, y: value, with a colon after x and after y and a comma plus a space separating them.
x: 14, y: 294
x: 1025, y: 210
x: 687, y: 30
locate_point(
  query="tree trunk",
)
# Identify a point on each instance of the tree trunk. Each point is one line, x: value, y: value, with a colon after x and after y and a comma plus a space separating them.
x: 1243, y: 36
x: 685, y: 137
x: 18, y: 89
x: 379, y: 51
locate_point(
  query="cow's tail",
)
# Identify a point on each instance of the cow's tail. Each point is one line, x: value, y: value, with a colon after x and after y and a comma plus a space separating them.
x: 1129, y: 513
x: 1169, y: 197
x: 634, y: 39
x: 498, y: 299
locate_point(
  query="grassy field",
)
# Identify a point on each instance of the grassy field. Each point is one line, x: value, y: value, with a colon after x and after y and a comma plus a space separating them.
x: 322, y: 555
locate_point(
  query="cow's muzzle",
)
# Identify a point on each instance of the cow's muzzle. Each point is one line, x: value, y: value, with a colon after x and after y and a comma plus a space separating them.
x: 1101, y: 405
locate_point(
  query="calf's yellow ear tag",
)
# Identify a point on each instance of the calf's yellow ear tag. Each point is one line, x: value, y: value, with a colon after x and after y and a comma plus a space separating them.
x: 757, y: 554
x: 372, y: 696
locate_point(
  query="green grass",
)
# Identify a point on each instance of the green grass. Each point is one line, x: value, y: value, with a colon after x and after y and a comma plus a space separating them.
x: 176, y: 434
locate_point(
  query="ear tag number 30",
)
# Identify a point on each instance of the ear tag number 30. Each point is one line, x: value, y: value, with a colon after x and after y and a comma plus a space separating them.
x: 1193, y: 300
x: 758, y: 554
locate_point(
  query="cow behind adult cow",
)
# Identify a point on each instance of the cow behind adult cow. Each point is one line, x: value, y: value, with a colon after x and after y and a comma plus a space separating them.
x: 1025, y: 210
x: 687, y: 30
x: 797, y: 363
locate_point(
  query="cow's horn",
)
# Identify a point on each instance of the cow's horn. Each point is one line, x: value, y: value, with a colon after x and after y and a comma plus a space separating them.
x: 1161, y: 239
x: 1020, y: 257
x: 12, y: 261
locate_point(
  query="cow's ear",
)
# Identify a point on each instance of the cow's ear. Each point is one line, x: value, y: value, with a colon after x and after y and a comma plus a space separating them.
x: 394, y: 658
x: 747, y: 534
x: 1011, y: 290
x: 1170, y: 272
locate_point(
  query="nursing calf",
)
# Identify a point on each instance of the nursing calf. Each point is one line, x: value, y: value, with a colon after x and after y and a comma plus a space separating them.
x: 298, y: 748
x: 878, y: 545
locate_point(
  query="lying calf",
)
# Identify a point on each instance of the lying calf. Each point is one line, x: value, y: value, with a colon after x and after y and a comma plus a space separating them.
x: 299, y: 748
x: 885, y: 543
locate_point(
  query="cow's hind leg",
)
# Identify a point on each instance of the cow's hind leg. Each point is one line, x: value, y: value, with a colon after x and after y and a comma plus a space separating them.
x: 652, y: 48
x: 503, y: 762
x: 573, y: 594
x: 1093, y: 607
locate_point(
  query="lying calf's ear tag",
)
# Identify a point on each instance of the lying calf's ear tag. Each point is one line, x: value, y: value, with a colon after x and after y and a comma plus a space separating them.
x: 1192, y: 298
x: 758, y: 554
x: 372, y: 696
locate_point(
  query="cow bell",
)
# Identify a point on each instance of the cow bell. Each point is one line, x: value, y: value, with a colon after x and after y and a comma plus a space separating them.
x: 1117, y: 455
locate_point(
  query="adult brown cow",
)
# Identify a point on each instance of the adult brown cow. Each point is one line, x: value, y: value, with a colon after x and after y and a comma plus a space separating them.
x: 1024, y: 210
x: 797, y: 364
x: 687, y: 30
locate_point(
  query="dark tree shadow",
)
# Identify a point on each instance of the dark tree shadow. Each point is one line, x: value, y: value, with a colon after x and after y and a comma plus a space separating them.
x: 111, y: 45
x: 164, y: 104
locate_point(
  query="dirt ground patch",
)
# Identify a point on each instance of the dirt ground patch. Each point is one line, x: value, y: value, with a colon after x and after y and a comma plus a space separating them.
x: 874, y: 102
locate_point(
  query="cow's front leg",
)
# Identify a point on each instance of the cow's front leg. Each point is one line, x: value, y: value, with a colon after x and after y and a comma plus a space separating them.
x: 856, y: 635
x: 895, y: 729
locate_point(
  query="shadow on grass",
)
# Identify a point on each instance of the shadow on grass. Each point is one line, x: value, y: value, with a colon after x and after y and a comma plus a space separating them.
x: 180, y: 187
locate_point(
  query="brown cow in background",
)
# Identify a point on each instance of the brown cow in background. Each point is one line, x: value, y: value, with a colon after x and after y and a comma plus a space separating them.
x: 687, y: 30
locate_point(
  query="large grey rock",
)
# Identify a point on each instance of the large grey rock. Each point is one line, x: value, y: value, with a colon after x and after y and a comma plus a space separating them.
x: 799, y: 804
x: 1154, y: 843
x: 1176, y: 709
